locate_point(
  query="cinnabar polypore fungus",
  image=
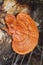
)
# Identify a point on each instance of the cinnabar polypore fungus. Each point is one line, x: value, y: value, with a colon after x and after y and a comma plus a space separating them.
x: 24, y: 32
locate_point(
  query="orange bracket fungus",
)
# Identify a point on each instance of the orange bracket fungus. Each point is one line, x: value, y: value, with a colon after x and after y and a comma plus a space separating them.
x: 24, y: 32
